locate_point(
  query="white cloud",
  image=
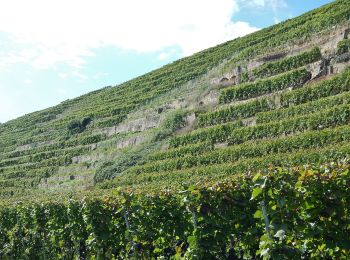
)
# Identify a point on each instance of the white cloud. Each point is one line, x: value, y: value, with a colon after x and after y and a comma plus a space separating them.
x: 274, y: 4
x: 28, y: 81
x: 69, y: 31
x: 63, y: 75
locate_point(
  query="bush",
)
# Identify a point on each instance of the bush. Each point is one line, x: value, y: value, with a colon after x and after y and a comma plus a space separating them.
x: 343, y: 46
x: 76, y: 127
x: 109, y: 170
x: 176, y: 120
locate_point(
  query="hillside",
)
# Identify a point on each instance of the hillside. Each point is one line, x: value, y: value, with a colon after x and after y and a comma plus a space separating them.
x: 192, y: 154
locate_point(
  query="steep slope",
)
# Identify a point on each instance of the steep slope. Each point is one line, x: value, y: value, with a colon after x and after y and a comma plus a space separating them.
x: 60, y: 148
x: 237, y: 152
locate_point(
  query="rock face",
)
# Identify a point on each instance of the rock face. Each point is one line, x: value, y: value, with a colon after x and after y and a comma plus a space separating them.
x: 175, y: 104
x: 231, y: 78
x: 137, y: 125
x: 273, y: 57
x: 317, y: 69
x: 190, y: 119
x: 33, y: 145
x: 212, y: 98
x: 131, y: 141
x: 339, y: 63
x: 327, y: 45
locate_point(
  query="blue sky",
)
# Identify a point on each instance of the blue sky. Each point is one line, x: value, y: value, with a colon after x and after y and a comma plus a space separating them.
x: 54, y: 50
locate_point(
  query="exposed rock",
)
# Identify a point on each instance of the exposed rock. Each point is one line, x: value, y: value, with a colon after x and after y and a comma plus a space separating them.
x: 231, y: 78
x: 273, y: 57
x: 254, y: 64
x: 26, y: 147
x: 175, y: 104
x: 340, y: 63
x: 137, y: 125
x: 85, y: 158
x: 33, y: 145
x: 212, y: 98
x: 190, y: 119
x: 64, y: 181
x: 328, y: 45
x: 131, y: 141
x: 93, y: 147
x: 317, y: 69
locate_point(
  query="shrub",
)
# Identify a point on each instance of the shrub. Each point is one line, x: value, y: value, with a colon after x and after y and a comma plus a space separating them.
x: 343, y: 46
x: 109, y: 170
x: 76, y: 127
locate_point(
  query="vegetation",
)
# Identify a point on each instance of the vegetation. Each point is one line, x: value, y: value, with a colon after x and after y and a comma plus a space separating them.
x: 278, y: 213
x: 286, y: 64
x: 343, y: 46
x: 76, y: 127
x: 121, y: 173
x: 250, y: 90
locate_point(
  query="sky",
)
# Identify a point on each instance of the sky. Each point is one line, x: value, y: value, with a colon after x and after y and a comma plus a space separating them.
x: 54, y: 50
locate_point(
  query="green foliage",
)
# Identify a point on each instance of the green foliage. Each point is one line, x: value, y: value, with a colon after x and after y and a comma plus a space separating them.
x: 233, y: 133
x: 303, y: 208
x: 303, y: 109
x: 173, y: 122
x: 40, y: 133
x: 194, y: 149
x: 309, y: 139
x: 250, y: 90
x: 153, y: 181
x: 325, y: 88
x: 343, y: 46
x: 214, y: 134
x: 338, y: 115
x: 76, y: 127
x: 228, y: 190
x: 176, y: 120
x: 286, y: 64
x: 109, y: 170
x: 234, y: 112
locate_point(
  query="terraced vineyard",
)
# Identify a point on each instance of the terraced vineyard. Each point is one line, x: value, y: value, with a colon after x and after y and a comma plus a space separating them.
x: 239, y: 151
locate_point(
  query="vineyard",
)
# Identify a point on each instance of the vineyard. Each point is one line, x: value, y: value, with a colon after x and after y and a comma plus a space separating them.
x: 241, y: 151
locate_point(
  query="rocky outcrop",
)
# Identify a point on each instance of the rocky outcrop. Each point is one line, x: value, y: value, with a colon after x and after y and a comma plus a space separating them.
x: 175, y: 104
x: 137, y: 125
x: 33, y: 145
x: 212, y: 98
x: 130, y: 142
x: 317, y: 69
x: 272, y: 57
x: 231, y: 78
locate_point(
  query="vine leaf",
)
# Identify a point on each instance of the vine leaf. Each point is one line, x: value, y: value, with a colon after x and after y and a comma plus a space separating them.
x: 258, y: 214
x: 256, y: 192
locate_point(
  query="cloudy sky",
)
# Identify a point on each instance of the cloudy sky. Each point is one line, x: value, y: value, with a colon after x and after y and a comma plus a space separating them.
x: 52, y: 50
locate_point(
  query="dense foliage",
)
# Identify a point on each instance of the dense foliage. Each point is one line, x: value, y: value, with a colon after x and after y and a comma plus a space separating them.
x: 306, y: 140
x: 286, y: 64
x: 45, y: 131
x: 326, y: 88
x: 250, y: 90
x: 276, y: 213
x: 159, y: 168
x: 217, y: 133
x: 343, y: 46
